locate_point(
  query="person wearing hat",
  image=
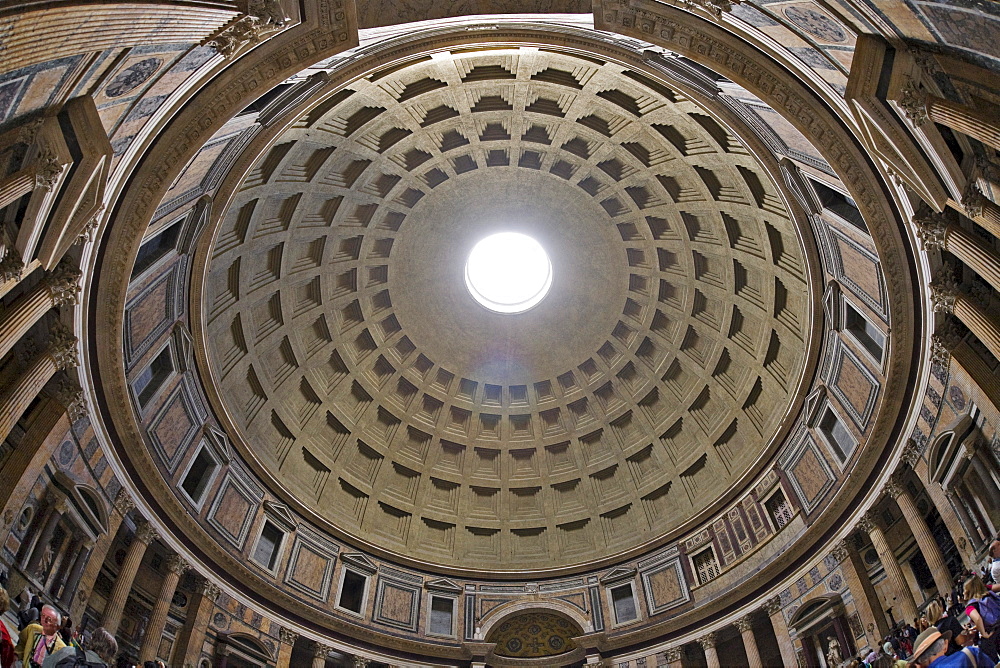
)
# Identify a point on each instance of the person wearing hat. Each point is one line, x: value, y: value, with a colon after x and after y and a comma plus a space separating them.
x: 889, y: 651
x: 930, y: 647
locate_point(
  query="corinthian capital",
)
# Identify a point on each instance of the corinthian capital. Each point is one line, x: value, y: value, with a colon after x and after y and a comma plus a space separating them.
x: 772, y: 606
x: 177, y: 564
x: 913, y: 101
x: 707, y: 641
x: 62, y: 347
x: 973, y: 200
x: 11, y: 266
x: 145, y: 533
x: 930, y: 228
x: 63, y: 284
x: 124, y: 502
x: 714, y: 7
x: 841, y: 551
x: 287, y: 636
x: 48, y: 169
x: 744, y: 624
x: 673, y: 654
x: 911, y: 453
x: 944, y: 291
x: 866, y: 523
x: 893, y: 489
x: 70, y: 395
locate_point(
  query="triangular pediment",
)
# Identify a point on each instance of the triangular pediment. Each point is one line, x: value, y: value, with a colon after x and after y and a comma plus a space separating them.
x: 617, y: 574
x: 220, y: 443
x: 444, y: 585
x: 360, y: 561
x: 279, y: 513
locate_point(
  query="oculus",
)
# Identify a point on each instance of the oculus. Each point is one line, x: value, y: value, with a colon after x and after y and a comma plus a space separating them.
x: 508, y: 272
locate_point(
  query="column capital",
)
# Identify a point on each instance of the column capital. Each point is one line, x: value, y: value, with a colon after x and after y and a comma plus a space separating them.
x: 744, y: 624
x: 866, y: 523
x: 946, y: 338
x: 63, y: 284
x: 944, y: 291
x: 674, y: 654
x: 63, y: 347
x: 772, y: 606
x: 973, y: 200
x: 911, y: 453
x: 841, y: 551
x: 210, y: 590
x: 245, y: 30
x: 714, y: 7
x: 361, y: 662
x: 11, y: 266
x: 707, y: 641
x: 70, y: 395
x: 28, y: 133
x: 47, y: 169
x: 930, y: 227
x: 287, y: 636
x: 61, y: 505
x: 321, y: 650
x: 268, y: 12
x: 123, y: 502
x: 145, y: 533
x: 913, y: 101
x: 892, y: 488
x: 177, y: 564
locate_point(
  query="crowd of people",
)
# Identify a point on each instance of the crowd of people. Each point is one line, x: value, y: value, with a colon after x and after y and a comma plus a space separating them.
x: 961, y: 630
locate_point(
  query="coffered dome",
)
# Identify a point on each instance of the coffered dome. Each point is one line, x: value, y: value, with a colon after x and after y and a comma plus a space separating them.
x: 361, y: 376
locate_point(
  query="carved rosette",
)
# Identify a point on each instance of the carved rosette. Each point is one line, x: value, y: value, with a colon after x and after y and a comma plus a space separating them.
x: 287, y: 636
x: 63, y: 347
x: 63, y: 284
x: 930, y: 228
x: 70, y: 395
x: 145, y: 533
x: 973, y: 200
x: 48, y: 169
x: 707, y: 641
x: 913, y: 101
x: 177, y: 564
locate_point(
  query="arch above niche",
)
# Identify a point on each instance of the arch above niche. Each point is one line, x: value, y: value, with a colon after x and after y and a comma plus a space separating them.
x: 535, y: 633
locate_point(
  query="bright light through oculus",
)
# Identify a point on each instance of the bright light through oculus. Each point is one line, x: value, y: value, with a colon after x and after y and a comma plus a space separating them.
x: 508, y: 272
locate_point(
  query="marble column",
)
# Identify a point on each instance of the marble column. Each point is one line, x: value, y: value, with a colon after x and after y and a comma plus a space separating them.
x: 286, y: 644
x: 745, y: 627
x: 921, y: 106
x: 947, y: 297
x: 903, y: 606
x: 897, y: 490
x: 60, y: 287
x: 191, y: 639
x: 320, y: 652
x: 985, y: 212
x: 144, y: 535
x: 15, y: 398
x: 973, y: 451
x: 176, y: 566
x: 707, y: 643
x: 772, y: 608
x: 45, y: 537
x: 123, y: 504
x: 674, y: 657
x: 936, y: 232
x: 73, y: 581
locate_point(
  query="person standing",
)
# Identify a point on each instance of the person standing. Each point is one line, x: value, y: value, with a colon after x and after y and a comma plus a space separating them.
x: 101, y: 650
x: 38, y: 641
x: 7, y: 655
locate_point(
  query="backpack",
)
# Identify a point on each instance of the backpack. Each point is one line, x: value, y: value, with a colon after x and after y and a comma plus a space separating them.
x: 989, y: 610
x: 79, y: 660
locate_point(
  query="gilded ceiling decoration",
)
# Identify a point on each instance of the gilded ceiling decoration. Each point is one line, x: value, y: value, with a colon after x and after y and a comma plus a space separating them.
x: 533, y: 635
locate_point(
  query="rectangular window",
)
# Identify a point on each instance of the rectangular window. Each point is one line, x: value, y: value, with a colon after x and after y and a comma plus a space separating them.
x: 864, y: 332
x: 841, y: 205
x: 268, y: 545
x: 156, y: 247
x: 706, y: 566
x: 623, y: 600
x: 352, y: 591
x: 199, y: 475
x: 153, y: 376
x: 442, y: 616
x: 836, y: 433
x: 779, y: 509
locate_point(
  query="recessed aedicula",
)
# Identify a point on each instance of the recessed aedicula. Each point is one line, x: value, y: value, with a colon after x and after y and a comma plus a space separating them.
x: 508, y: 272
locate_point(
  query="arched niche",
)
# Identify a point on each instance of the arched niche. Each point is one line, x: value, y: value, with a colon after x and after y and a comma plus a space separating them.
x: 822, y: 627
x: 239, y: 650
